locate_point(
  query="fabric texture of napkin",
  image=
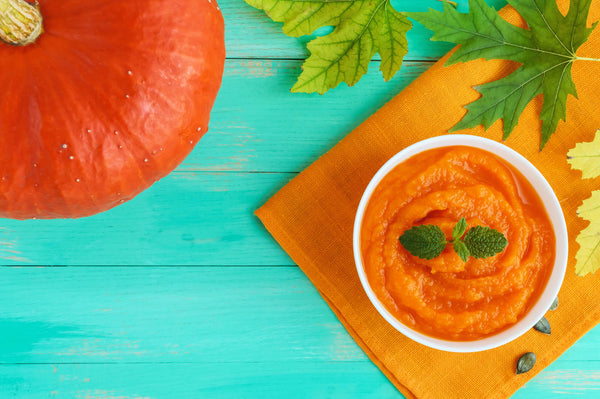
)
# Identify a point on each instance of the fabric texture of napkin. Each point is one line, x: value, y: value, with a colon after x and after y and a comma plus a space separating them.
x: 312, y: 219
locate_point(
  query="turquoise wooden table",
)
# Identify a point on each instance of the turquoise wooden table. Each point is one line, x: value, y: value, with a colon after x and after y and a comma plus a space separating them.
x: 181, y: 293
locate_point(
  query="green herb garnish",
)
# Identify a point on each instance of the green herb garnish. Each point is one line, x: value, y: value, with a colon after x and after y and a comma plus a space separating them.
x: 428, y: 241
x: 483, y: 242
x: 425, y: 241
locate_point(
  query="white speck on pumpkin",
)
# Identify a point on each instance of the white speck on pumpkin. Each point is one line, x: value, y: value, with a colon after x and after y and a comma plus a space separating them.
x: 126, y: 95
x: 116, y: 132
x: 129, y: 73
x: 35, y: 165
x: 64, y: 146
x: 71, y: 157
x: 199, y: 128
x: 191, y: 141
x: 145, y: 159
x: 120, y: 146
x: 78, y: 180
x: 89, y: 130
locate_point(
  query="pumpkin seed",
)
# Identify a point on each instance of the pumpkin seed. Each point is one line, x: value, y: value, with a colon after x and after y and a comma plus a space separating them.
x: 554, y: 304
x: 526, y: 362
x: 543, y: 326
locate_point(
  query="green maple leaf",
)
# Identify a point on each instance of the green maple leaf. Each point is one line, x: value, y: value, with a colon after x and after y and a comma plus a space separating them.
x: 362, y: 28
x: 546, y: 52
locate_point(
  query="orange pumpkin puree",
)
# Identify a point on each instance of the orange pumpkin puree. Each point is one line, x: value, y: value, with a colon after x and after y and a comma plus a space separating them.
x: 445, y: 297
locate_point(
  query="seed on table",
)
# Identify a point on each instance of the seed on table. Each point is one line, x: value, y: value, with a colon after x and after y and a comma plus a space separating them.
x: 526, y: 362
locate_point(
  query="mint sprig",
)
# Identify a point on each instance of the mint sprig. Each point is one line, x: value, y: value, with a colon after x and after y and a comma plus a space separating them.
x: 461, y: 249
x: 483, y: 242
x: 459, y: 229
x: 425, y: 241
x: 428, y: 241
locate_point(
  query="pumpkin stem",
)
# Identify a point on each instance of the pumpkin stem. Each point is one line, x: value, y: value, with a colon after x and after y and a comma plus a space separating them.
x: 20, y: 22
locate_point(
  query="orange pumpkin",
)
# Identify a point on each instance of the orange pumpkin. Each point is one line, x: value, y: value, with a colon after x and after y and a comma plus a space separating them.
x: 109, y: 98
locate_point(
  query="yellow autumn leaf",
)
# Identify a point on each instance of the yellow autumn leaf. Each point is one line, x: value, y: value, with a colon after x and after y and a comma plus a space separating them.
x: 588, y: 256
x: 586, y: 157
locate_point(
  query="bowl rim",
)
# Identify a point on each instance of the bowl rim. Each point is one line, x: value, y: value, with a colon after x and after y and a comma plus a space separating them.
x: 553, y: 209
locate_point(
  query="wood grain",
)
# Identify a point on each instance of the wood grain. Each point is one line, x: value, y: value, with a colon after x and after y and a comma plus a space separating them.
x: 302, y: 379
x: 251, y: 34
x: 258, y: 125
x: 188, y: 218
x: 167, y: 314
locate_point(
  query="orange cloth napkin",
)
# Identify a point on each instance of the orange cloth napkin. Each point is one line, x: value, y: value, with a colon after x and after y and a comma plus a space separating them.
x: 312, y: 218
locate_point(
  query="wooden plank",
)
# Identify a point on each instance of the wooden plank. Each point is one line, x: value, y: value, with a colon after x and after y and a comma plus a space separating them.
x: 258, y: 125
x: 251, y: 34
x: 154, y: 332
x: 167, y: 314
x: 187, y: 218
x: 199, y: 380
x: 562, y: 380
x: 247, y: 380
x: 299, y: 379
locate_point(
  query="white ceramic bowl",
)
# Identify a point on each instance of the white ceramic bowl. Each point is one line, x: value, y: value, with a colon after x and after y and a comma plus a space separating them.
x: 553, y: 210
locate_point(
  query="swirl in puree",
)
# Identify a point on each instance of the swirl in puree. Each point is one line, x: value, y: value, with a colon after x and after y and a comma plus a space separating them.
x: 445, y: 297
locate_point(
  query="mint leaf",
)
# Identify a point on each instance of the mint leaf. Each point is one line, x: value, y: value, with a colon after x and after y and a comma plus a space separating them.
x: 483, y: 242
x: 461, y: 249
x: 545, y: 49
x: 425, y: 241
x: 459, y: 229
x: 362, y: 28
